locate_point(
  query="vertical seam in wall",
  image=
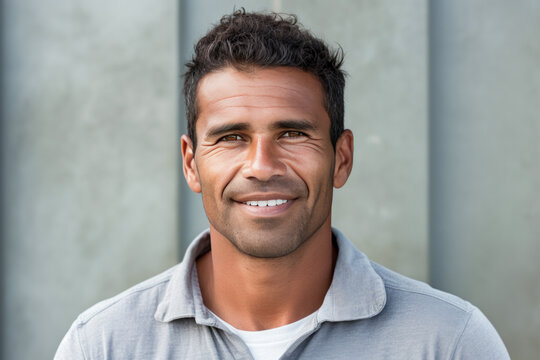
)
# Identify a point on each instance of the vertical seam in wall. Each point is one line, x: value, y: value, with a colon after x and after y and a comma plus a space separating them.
x: 180, y: 122
x: 183, y: 200
x: 277, y: 6
x: 430, y: 145
x: 2, y: 205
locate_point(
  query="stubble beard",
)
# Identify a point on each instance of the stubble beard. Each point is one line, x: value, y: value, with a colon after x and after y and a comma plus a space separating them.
x: 269, y: 238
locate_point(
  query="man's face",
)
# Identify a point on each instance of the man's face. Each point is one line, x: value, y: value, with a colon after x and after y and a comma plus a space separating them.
x: 264, y: 160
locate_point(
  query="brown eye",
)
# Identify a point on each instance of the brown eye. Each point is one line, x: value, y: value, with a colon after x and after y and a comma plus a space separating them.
x: 231, y: 137
x: 293, y: 134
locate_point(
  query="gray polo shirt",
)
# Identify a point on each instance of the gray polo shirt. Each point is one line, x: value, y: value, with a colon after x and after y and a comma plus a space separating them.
x: 369, y: 312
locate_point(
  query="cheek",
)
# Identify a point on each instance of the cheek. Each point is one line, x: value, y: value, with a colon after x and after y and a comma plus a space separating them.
x: 216, y: 172
x: 317, y: 173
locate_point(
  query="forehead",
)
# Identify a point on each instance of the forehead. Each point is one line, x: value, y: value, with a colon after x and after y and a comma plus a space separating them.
x: 260, y: 92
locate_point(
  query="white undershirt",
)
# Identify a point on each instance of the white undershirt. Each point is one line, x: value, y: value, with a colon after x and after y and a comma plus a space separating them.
x: 272, y: 343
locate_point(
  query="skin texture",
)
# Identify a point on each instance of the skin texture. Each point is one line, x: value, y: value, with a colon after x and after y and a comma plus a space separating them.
x: 263, y: 135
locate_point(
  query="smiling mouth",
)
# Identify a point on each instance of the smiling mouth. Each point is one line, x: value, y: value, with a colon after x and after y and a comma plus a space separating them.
x: 263, y: 203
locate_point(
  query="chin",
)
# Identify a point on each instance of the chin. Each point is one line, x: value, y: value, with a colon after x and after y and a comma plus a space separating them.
x: 268, y: 247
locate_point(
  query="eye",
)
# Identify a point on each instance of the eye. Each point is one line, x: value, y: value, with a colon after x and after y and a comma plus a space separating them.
x: 230, y: 138
x: 293, y: 134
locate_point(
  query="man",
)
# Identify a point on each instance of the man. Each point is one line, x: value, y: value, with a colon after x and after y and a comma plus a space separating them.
x: 271, y: 278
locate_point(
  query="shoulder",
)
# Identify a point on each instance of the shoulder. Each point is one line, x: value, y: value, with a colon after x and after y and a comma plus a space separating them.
x: 414, y: 303
x: 414, y: 306
x: 128, y: 316
x: 142, y: 297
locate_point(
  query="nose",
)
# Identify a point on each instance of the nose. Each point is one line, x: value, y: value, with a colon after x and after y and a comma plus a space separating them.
x: 263, y: 160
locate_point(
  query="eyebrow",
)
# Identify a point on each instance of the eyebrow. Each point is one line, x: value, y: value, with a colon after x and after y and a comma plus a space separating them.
x: 293, y: 124
x: 223, y: 129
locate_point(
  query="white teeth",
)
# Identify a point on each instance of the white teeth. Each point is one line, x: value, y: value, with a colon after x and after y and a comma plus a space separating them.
x: 264, y: 203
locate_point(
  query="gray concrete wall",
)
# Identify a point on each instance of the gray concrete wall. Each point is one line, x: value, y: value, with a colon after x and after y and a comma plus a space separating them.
x: 485, y: 165
x: 90, y: 159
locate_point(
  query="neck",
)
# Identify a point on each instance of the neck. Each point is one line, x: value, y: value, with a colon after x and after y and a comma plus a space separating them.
x: 256, y: 294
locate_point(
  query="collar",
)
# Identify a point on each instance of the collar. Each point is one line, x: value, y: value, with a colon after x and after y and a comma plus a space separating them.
x: 357, y: 291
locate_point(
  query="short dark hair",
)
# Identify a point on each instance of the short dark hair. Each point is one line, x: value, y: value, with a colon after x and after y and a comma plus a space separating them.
x: 245, y: 40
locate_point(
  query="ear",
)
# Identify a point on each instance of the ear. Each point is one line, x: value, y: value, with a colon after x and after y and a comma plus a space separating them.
x: 343, y: 158
x: 190, y: 168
